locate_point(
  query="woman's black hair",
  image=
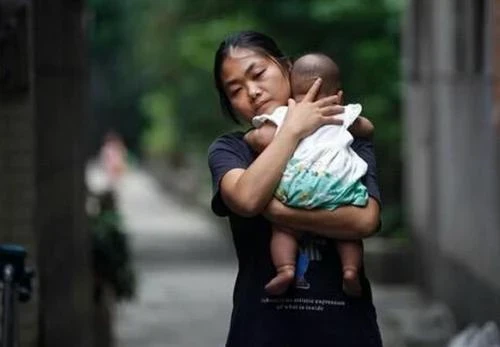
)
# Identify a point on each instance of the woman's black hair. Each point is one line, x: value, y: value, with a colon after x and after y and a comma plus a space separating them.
x: 244, y: 39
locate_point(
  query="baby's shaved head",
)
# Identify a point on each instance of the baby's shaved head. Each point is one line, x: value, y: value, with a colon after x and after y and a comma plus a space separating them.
x: 308, y: 68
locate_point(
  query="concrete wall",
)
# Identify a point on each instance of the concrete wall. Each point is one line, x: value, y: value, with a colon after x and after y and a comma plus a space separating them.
x: 495, y: 56
x: 451, y: 149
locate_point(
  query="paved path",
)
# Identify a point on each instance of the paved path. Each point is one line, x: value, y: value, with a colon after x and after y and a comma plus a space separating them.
x: 185, y: 266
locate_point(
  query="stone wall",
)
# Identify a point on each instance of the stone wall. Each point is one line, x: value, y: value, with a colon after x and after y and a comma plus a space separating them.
x: 61, y: 70
x: 42, y: 111
x: 17, y: 153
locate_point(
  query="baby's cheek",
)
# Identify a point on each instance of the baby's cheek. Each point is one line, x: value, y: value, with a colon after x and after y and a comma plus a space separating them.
x: 298, y: 97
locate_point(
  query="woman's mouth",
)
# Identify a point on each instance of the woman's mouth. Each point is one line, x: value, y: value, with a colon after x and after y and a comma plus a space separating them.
x: 260, y: 106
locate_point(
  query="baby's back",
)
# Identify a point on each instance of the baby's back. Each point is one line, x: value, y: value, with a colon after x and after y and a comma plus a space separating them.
x: 324, y: 171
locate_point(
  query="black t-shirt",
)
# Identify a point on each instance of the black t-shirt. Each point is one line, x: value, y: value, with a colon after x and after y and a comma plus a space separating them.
x: 315, y: 311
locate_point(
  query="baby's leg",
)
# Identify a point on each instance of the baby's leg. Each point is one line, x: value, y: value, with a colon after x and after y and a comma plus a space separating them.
x: 351, y: 255
x: 283, y: 254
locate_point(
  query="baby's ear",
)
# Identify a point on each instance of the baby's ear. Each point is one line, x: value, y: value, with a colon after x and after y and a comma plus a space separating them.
x: 340, y: 94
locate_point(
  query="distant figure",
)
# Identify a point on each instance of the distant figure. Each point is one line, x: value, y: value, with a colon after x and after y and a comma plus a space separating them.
x: 113, y: 155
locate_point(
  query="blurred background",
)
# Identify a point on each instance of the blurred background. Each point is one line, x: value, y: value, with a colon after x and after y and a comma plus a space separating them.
x: 107, y: 111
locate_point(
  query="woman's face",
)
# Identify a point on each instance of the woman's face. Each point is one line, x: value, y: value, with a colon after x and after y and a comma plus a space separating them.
x: 253, y: 83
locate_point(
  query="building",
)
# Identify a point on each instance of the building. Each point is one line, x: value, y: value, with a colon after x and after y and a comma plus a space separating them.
x: 451, y: 59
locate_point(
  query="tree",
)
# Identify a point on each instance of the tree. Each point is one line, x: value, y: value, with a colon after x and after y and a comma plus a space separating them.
x: 166, y: 80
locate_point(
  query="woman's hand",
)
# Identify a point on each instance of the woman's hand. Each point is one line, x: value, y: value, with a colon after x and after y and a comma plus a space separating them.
x: 344, y: 223
x: 306, y: 116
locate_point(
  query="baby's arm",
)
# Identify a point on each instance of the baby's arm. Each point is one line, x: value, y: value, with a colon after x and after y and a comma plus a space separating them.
x: 260, y: 138
x: 362, y: 127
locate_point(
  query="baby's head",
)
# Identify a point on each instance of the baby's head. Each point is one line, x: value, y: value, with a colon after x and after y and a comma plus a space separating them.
x: 308, y: 68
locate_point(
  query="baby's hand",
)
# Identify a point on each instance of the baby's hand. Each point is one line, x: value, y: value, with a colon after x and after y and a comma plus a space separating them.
x: 362, y: 127
x: 261, y: 137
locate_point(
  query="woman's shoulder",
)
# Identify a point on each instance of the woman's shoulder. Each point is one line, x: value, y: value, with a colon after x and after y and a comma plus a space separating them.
x: 232, y: 140
x: 234, y: 135
x: 361, y: 142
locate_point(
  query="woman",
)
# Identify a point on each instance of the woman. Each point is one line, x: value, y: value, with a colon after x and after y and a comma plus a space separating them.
x: 252, y: 77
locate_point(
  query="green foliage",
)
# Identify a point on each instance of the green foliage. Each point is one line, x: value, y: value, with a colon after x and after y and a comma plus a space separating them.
x: 155, y: 58
x: 161, y: 135
x: 116, y: 81
x: 111, y: 254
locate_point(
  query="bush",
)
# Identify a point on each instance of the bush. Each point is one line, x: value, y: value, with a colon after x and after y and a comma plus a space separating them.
x: 111, y: 254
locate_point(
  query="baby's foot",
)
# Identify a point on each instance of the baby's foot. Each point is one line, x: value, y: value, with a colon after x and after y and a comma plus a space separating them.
x: 279, y: 284
x: 351, y: 284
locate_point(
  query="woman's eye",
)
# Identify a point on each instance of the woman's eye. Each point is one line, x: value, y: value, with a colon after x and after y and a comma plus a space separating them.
x: 234, y: 92
x: 259, y: 73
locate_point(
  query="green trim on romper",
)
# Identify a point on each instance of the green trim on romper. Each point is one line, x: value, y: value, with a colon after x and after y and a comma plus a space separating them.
x: 301, y: 187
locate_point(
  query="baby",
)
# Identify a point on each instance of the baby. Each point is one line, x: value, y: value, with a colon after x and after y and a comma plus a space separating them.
x: 323, y: 173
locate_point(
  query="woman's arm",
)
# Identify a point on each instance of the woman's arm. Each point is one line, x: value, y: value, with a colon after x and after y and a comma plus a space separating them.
x: 346, y: 222
x: 247, y: 191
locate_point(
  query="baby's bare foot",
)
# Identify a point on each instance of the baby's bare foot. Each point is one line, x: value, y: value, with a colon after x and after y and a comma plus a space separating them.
x: 351, y: 284
x: 279, y: 284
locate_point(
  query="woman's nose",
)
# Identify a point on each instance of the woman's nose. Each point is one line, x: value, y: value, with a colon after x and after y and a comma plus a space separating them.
x: 254, y: 91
